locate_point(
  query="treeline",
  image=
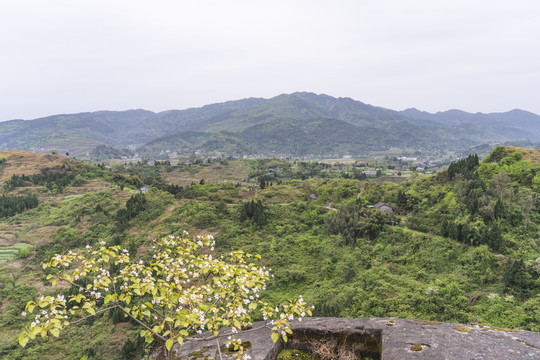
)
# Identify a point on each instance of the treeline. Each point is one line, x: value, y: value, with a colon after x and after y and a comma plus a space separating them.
x: 135, y: 205
x: 466, y: 167
x: 52, y: 179
x: 11, y: 205
x: 469, y: 233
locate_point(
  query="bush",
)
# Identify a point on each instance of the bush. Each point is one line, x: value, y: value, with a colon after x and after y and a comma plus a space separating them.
x: 24, y: 252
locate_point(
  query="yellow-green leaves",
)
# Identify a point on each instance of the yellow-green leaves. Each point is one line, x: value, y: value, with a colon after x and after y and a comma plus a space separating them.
x: 30, y: 306
x: 109, y: 298
x: 23, y: 339
x: 184, y: 289
x: 88, y: 307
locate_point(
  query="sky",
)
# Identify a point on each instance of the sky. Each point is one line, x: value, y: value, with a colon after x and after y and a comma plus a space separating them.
x: 65, y: 56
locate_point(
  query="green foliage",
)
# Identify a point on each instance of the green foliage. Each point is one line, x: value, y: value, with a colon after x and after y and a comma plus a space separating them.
x: 465, y: 167
x: 516, y: 277
x: 55, y: 180
x: 255, y: 211
x: 135, y: 205
x: 182, y: 289
x: 24, y: 252
x: 11, y: 205
x: 355, y: 221
x: 10, y: 253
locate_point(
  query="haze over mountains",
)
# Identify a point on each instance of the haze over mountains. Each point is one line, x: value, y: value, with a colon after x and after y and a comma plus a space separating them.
x: 292, y: 124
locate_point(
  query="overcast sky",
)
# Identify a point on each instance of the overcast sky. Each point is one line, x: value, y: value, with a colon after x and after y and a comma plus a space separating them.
x: 75, y: 56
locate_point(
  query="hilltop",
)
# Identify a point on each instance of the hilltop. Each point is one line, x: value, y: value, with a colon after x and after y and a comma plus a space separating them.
x: 299, y: 124
x: 24, y: 162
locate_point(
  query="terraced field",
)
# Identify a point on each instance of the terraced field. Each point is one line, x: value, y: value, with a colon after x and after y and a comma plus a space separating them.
x: 10, y: 253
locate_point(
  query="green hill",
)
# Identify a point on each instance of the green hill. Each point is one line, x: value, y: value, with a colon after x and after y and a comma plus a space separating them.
x: 79, y: 134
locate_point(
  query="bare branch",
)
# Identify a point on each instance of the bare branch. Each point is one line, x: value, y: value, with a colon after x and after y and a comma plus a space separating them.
x: 89, y: 316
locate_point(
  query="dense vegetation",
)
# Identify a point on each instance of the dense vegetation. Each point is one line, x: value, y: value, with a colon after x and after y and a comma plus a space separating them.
x: 11, y: 205
x: 52, y: 179
x: 461, y: 245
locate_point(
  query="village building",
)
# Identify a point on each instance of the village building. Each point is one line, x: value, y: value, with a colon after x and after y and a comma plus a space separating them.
x: 384, y: 207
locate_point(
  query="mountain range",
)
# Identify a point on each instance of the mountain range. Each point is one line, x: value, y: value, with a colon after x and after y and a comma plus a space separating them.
x: 300, y: 123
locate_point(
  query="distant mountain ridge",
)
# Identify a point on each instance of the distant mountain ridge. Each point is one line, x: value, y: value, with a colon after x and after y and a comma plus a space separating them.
x: 514, y: 118
x: 300, y: 123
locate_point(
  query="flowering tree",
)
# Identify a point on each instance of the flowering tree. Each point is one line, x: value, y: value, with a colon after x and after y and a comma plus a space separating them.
x: 182, y: 290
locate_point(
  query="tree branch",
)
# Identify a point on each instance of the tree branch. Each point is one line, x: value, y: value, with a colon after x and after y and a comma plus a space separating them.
x: 89, y: 316
x: 141, y: 323
x: 221, y: 335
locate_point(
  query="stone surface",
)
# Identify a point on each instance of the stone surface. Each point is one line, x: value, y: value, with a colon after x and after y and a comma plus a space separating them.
x: 384, y: 338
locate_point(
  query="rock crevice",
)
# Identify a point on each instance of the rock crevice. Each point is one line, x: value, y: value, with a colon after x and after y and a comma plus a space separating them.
x: 377, y: 338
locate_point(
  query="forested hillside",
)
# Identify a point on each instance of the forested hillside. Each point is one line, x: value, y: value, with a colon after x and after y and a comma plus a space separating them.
x: 299, y: 124
x: 461, y: 245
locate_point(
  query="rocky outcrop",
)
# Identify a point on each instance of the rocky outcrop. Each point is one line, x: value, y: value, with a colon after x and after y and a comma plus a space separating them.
x: 376, y: 338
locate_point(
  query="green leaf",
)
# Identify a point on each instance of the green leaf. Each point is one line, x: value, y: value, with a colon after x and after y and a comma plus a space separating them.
x: 23, y: 339
x: 169, y: 343
x: 91, y: 311
x: 183, y: 332
x: 107, y: 299
x: 55, y: 332
x: 34, y: 332
x: 275, y: 337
